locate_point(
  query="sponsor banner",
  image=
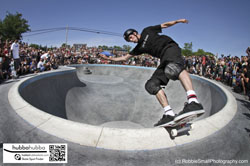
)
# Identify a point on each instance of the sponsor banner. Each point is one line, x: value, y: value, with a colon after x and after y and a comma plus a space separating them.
x: 35, y: 153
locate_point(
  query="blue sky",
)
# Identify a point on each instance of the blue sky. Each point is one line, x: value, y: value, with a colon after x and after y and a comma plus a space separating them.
x: 217, y: 26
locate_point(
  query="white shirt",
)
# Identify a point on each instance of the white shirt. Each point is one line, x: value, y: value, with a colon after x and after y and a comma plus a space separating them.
x: 45, y: 56
x: 15, y: 50
x: 40, y: 64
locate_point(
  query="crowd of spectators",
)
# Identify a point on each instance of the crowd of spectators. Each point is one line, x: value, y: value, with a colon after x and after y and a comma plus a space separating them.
x: 233, y: 71
x: 34, y: 60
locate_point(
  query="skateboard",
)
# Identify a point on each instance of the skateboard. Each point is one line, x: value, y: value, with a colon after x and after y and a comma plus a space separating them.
x: 87, y: 71
x: 181, y: 127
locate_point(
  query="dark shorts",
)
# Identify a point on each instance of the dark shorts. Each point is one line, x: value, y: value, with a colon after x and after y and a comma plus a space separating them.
x: 17, y: 63
x: 171, y: 55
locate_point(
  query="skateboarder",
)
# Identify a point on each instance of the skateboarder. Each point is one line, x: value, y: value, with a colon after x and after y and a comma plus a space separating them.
x: 171, y: 67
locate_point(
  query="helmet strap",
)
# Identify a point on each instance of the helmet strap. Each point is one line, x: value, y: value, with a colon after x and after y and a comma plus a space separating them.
x: 136, y: 36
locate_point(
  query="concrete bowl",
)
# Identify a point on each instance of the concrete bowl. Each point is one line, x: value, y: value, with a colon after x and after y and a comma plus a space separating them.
x: 108, y: 107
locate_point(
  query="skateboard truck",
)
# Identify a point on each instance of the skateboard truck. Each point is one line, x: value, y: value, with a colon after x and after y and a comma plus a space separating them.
x: 182, y: 129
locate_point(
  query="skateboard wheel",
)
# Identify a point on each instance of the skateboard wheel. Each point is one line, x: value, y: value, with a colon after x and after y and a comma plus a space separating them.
x: 192, y: 126
x: 174, y: 132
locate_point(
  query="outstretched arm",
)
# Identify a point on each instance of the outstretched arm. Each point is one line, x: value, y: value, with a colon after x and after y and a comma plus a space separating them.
x: 118, y: 59
x: 171, y: 23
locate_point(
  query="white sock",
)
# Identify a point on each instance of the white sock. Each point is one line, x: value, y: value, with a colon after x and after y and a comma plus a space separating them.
x: 168, y: 111
x: 191, y: 96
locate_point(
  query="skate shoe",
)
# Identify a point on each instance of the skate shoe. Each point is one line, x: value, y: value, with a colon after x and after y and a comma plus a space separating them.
x: 166, y: 120
x: 190, y: 109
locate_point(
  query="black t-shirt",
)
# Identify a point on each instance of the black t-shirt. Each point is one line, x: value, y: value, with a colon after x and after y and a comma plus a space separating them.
x: 151, y: 42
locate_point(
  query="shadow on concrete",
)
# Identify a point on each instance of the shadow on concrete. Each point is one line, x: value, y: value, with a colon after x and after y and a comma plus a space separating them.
x: 248, y: 131
x: 8, y: 81
x: 49, y: 94
x: 248, y: 118
x: 246, y: 104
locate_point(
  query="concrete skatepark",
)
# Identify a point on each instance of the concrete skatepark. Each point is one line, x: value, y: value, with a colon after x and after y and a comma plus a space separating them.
x: 106, y: 117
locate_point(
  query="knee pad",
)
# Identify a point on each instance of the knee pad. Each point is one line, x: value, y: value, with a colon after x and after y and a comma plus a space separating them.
x: 173, y: 70
x: 153, y: 86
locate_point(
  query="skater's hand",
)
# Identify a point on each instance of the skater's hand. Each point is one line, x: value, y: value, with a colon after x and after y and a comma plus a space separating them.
x: 104, y: 57
x: 182, y: 20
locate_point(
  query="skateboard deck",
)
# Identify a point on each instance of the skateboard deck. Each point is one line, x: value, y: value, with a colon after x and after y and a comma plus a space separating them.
x: 181, y: 126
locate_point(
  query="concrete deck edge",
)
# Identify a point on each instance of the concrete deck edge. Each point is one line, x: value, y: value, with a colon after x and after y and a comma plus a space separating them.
x: 118, y: 139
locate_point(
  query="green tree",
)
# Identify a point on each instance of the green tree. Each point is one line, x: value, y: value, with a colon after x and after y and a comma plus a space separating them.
x: 210, y: 54
x: 36, y: 46
x: 188, y: 49
x: 13, y: 26
x: 104, y: 47
x: 127, y: 47
x: 199, y: 52
x: 64, y: 45
x: 118, y: 48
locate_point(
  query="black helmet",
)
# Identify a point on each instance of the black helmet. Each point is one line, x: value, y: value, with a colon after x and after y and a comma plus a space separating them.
x: 127, y: 33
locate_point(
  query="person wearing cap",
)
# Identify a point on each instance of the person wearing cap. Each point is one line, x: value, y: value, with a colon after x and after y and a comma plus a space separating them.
x: 171, y: 68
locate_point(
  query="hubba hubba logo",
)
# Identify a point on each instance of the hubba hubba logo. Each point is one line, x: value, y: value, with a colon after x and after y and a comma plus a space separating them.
x: 31, y: 148
x: 17, y: 153
x: 35, y: 153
